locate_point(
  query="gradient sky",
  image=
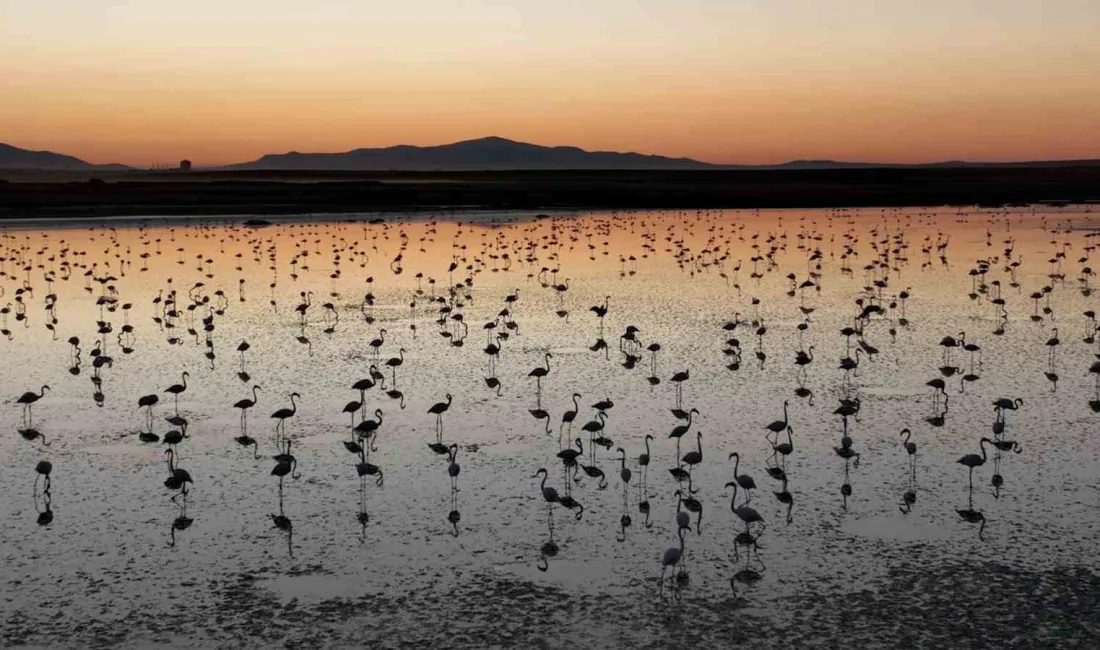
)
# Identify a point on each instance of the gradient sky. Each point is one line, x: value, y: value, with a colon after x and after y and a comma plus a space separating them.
x: 749, y: 81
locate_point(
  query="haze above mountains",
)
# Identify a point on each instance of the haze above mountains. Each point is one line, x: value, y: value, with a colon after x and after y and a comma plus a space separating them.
x: 484, y: 154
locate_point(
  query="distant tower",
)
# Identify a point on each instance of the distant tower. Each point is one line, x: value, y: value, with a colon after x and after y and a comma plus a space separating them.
x: 185, y: 165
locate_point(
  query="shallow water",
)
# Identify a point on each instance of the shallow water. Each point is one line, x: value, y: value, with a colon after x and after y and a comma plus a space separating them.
x: 361, y: 563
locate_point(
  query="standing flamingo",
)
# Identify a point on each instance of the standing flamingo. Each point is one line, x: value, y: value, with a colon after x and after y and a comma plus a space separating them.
x: 27, y: 400
x: 244, y: 405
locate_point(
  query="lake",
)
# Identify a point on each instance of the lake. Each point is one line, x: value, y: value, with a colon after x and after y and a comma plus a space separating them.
x: 367, y: 539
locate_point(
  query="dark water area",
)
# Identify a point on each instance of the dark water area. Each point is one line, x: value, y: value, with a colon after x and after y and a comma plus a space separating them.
x: 67, y: 195
x: 416, y: 530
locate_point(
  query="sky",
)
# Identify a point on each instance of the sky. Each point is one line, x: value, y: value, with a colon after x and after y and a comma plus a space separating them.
x: 729, y: 81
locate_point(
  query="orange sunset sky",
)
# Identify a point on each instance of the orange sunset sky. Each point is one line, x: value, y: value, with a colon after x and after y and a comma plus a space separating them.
x: 737, y: 81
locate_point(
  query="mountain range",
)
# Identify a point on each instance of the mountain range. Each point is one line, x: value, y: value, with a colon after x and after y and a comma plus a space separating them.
x: 492, y: 153
x: 16, y: 158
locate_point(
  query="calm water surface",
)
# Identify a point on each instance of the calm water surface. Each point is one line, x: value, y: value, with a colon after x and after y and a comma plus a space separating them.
x: 864, y: 552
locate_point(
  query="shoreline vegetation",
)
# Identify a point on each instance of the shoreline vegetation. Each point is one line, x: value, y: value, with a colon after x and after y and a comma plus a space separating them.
x: 33, y: 195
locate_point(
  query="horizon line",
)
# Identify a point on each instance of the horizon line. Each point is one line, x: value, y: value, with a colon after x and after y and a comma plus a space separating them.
x: 196, y: 165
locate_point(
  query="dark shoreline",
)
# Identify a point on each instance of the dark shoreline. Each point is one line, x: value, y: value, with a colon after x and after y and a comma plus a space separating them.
x: 282, y: 193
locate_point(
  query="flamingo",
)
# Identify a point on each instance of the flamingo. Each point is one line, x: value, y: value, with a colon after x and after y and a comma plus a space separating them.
x: 27, y: 400
x: 176, y: 389
x: 744, y: 480
x: 244, y: 405
x: 438, y: 409
x: 148, y: 402
x: 394, y: 363
x: 693, y: 458
x: 784, y: 448
x: 377, y: 343
x: 643, y: 459
x: 624, y: 472
x: 540, y: 372
x: 569, y: 416
x: 745, y: 513
x: 282, y: 414
x: 974, y: 460
x: 366, y: 428
x: 779, y: 425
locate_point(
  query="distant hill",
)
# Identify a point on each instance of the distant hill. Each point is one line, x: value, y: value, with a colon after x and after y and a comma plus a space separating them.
x: 491, y: 153
x: 495, y: 153
x: 16, y: 158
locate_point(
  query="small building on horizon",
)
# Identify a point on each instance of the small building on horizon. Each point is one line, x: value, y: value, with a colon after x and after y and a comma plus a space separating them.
x: 185, y: 165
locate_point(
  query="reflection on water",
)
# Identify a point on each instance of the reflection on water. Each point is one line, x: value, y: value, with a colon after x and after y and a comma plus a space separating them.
x: 742, y: 353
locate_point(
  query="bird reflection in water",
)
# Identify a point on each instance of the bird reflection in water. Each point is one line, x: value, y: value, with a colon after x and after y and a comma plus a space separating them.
x: 786, y: 498
x: 178, y: 478
x: 909, y: 497
x: 45, y: 512
x: 453, y: 471
x: 625, y: 475
x: 397, y: 395
x: 74, y: 356
x: 181, y: 523
x: 364, y: 469
x: 1094, y: 403
x: 653, y: 349
x: 550, y: 496
x: 285, y: 464
x: 845, y: 488
x: 548, y: 550
x: 283, y: 523
x: 1000, y: 443
x: 972, y: 516
x: 748, y: 516
x: 998, y: 479
x: 362, y: 447
x: 304, y: 340
x: 42, y: 471
x: 541, y: 414
x: 643, y: 462
x: 749, y: 574
x: 494, y: 384
x: 30, y: 435
x: 692, y: 505
x: 362, y: 516
x: 805, y: 393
